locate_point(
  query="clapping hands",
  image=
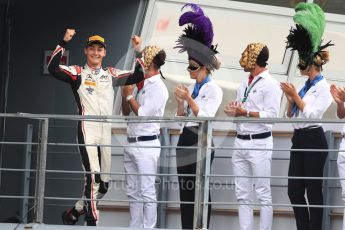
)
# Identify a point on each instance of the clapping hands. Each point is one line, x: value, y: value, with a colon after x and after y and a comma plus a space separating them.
x: 235, y: 109
x: 181, y: 93
x: 338, y: 94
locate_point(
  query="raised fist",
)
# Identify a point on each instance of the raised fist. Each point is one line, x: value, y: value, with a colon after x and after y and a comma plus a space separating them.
x: 136, y: 42
x: 69, y: 35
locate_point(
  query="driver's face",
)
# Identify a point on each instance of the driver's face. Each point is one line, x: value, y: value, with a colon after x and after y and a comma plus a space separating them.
x: 95, y: 54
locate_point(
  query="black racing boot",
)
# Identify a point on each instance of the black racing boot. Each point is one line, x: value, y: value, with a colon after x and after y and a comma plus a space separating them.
x: 90, y: 221
x: 70, y: 217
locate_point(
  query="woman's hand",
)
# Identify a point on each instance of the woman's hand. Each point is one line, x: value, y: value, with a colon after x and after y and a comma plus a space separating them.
x: 182, y: 92
x: 289, y: 90
x: 338, y: 94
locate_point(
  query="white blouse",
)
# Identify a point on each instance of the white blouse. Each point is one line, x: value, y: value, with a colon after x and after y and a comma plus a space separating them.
x: 317, y: 100
x: 209, y: 99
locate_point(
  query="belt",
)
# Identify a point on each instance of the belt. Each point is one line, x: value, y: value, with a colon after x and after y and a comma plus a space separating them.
x: 309, y: 128
x: 142, y: 138
x: 254, y: 136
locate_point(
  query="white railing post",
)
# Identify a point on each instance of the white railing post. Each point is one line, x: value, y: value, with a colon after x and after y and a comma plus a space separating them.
x: 202, y: 180
x: 41, y: 168
x: 208, y: 151
x: 327, y: 183
x: 26, y: 176
x: 162, y: 187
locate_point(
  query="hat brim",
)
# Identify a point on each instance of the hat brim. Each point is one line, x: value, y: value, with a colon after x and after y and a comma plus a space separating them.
x: 95, y: 42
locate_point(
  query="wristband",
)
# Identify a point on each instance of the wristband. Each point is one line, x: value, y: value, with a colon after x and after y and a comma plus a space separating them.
x: 129, y: 97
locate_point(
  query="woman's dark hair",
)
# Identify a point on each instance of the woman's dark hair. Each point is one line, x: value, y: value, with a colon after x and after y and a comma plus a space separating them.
x: 159, y: 59
x: 320, y: 59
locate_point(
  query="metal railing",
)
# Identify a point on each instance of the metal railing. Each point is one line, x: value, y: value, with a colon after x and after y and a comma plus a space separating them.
x: 203, y: 170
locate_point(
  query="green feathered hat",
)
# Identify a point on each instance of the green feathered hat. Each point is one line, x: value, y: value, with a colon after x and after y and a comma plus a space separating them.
x: 306, y: 38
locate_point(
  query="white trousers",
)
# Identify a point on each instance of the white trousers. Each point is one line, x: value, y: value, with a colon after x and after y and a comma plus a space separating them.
x: 341, y: 171
x: 142, y: 188
x: 95, y: 160
x: 253, y: 163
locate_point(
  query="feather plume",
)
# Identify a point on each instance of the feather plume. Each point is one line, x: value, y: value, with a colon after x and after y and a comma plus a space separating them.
x: 201, y: 28
x: 311, y: 17
x: 197, y: 37
x: 299, y: 39
x: 306, y: 38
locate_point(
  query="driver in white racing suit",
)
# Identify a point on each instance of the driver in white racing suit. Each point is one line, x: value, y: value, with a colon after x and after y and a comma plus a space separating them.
x: 93, y: 90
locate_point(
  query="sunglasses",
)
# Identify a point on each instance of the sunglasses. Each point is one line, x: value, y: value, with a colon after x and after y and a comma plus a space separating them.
x: 193, y: 68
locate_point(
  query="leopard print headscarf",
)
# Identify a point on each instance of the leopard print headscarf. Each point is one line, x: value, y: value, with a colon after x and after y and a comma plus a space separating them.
x: 150, y: 53
x: 250, y: 55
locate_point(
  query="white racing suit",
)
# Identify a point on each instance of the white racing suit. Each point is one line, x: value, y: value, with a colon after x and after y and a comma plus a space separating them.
x: 94, y: 94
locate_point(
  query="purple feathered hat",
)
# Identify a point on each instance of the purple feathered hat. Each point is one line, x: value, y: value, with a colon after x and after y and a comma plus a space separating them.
x: 197, y: 37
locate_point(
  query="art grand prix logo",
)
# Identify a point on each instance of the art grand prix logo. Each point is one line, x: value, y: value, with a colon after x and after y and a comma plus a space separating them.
x: 104, y: 78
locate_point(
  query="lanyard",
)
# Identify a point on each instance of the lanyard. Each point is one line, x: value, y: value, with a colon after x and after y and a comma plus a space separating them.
x: 248, y: 89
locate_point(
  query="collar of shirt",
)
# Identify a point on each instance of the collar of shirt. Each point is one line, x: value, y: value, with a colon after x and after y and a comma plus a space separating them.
x: 250, y: 79
x: 205, y: 87
x: 207, y: 108
x: 143, y: 83
x: 317, y: 87
x: 303, y: 91
x: 198, y: 86
x: 152, y: 79
x: 146, y: 82
x: 263, y: 74
x: 93, y: 70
